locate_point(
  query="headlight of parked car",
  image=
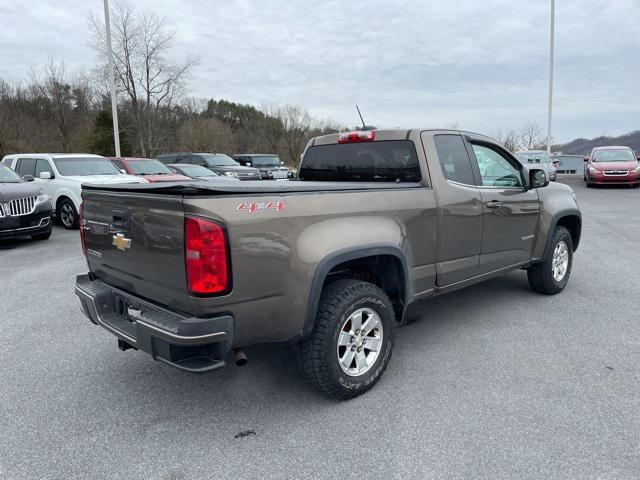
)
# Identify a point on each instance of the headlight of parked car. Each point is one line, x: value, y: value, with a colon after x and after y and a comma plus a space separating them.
x: 231, y: 174
x: 636, y: 170
x: 593, y: 170
x: 42, y: 198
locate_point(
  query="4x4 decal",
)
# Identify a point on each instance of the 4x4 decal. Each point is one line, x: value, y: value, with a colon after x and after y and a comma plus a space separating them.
x: 252, y: 207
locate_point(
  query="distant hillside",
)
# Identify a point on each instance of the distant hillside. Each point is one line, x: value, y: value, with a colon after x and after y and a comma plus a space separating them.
x: 583, y: 146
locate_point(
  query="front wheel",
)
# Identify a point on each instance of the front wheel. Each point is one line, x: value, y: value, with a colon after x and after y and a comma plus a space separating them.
x: 551, y: 275
x: 352, y: 340
x: 67, y: 214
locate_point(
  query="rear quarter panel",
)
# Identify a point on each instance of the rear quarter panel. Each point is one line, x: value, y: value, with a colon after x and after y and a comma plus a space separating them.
x: 275, y: 254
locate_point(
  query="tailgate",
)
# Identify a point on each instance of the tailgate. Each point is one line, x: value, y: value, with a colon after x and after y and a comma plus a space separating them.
x: 135, y: 241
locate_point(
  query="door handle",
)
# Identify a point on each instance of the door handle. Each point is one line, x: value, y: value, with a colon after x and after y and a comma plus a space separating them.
x: 494, y: 204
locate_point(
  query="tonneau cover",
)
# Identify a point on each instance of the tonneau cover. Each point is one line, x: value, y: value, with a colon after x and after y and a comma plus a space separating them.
x: 261, y: 186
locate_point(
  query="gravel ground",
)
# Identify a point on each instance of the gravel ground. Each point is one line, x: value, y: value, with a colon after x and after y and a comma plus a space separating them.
x: 491, y: 382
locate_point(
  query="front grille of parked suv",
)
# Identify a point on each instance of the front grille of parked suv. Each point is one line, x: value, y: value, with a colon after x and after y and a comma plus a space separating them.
x: 616, y: 172
x: 18, y: 207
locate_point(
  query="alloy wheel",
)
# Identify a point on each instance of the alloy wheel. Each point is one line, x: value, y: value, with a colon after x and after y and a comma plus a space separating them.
x: 359, y: 342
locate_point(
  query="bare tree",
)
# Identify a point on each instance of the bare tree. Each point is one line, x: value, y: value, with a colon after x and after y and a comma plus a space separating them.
x: 530, y: 136
x: 150, y: 82
x: 507, y: 137
x: 296, y: 124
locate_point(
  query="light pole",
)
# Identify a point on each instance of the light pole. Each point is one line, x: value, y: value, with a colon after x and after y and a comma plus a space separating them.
x: 553, y: 14
x: 114, y: 103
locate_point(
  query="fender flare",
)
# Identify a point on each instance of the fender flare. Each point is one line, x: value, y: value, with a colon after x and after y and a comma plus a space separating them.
x: 569, y: 212
x: 340, y: 256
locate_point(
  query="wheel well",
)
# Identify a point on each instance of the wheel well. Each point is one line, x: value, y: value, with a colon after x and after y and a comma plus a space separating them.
x: 572, y: 223
x: 60, y: 199
x: 384, y: 271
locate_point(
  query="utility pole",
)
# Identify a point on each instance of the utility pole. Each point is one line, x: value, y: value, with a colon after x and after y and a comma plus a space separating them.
x: 114, y: 101
x: 551, y: 48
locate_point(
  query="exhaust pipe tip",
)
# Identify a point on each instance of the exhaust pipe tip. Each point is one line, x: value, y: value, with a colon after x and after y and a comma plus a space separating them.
x: 239, y: 357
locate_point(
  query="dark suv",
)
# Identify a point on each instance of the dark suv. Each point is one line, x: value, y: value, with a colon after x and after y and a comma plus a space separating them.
x: 24, y: 208
x: 270, y: 165
x: 216, y: 162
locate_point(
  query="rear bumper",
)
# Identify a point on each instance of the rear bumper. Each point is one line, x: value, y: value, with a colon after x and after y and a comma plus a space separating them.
x: 191, y: 344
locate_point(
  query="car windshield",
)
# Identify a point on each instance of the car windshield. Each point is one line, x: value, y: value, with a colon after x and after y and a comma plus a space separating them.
x: 83, y: 166
x: 265, y: 161
x: 8, y: 176
x: 533, y: 157
x: 614, y: 155
x: 148, y: 167
x: 219, y: 160
x: 197, y: 171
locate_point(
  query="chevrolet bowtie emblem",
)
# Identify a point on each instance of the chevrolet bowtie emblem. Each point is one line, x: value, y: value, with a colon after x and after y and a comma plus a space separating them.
x: 120, y: 242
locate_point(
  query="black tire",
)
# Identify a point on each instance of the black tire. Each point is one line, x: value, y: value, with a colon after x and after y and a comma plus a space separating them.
x: 318, y: 355
x: 66, y: 210
x: 540, y: 275
x: 42, y: 236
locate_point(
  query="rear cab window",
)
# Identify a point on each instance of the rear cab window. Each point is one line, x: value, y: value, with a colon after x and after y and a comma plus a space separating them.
x: 378, y: 161
x: 454, y: 159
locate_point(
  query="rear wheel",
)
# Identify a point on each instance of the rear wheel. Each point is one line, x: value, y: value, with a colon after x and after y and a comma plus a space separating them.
x: 352, y: 340
x: 67, y: 214
x: 552, y: 274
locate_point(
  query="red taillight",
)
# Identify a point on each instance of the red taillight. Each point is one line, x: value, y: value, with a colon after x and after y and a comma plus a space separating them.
x: 81, y: 223
x: 205, y: 251
x: 357, y: 136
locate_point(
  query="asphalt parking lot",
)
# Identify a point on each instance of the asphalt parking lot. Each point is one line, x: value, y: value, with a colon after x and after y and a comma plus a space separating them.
x: 490, y: 382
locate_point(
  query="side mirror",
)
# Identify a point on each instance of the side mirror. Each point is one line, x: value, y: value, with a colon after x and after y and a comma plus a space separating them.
x: 586, y: 159
x: 28, y: 178
x: 538, y: 178
x: 248, y: 164
x: 639, y: 158
x: 45, y: 175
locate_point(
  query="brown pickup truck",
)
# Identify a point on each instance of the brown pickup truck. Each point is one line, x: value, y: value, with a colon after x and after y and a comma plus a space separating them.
x: 375, y: 220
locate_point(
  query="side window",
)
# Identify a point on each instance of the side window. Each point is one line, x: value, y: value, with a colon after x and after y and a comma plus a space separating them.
x: 495, y: 169
x: 43, y: 166
x: 195, y: 160
x: 454, y: 159
x: 26, y: 166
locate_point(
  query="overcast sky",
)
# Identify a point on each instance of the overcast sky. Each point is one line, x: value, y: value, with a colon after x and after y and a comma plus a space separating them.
x: 482, y: 65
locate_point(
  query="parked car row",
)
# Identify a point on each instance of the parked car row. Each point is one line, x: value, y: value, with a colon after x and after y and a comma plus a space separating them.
x: 35, y: 187
x: 61, y: 176
x: 241, y: 167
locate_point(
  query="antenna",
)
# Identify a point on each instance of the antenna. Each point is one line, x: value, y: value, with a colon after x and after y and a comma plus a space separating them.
x: 362, y: 119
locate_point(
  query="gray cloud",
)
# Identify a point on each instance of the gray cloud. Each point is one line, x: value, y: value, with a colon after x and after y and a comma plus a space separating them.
x: 422, y: 63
